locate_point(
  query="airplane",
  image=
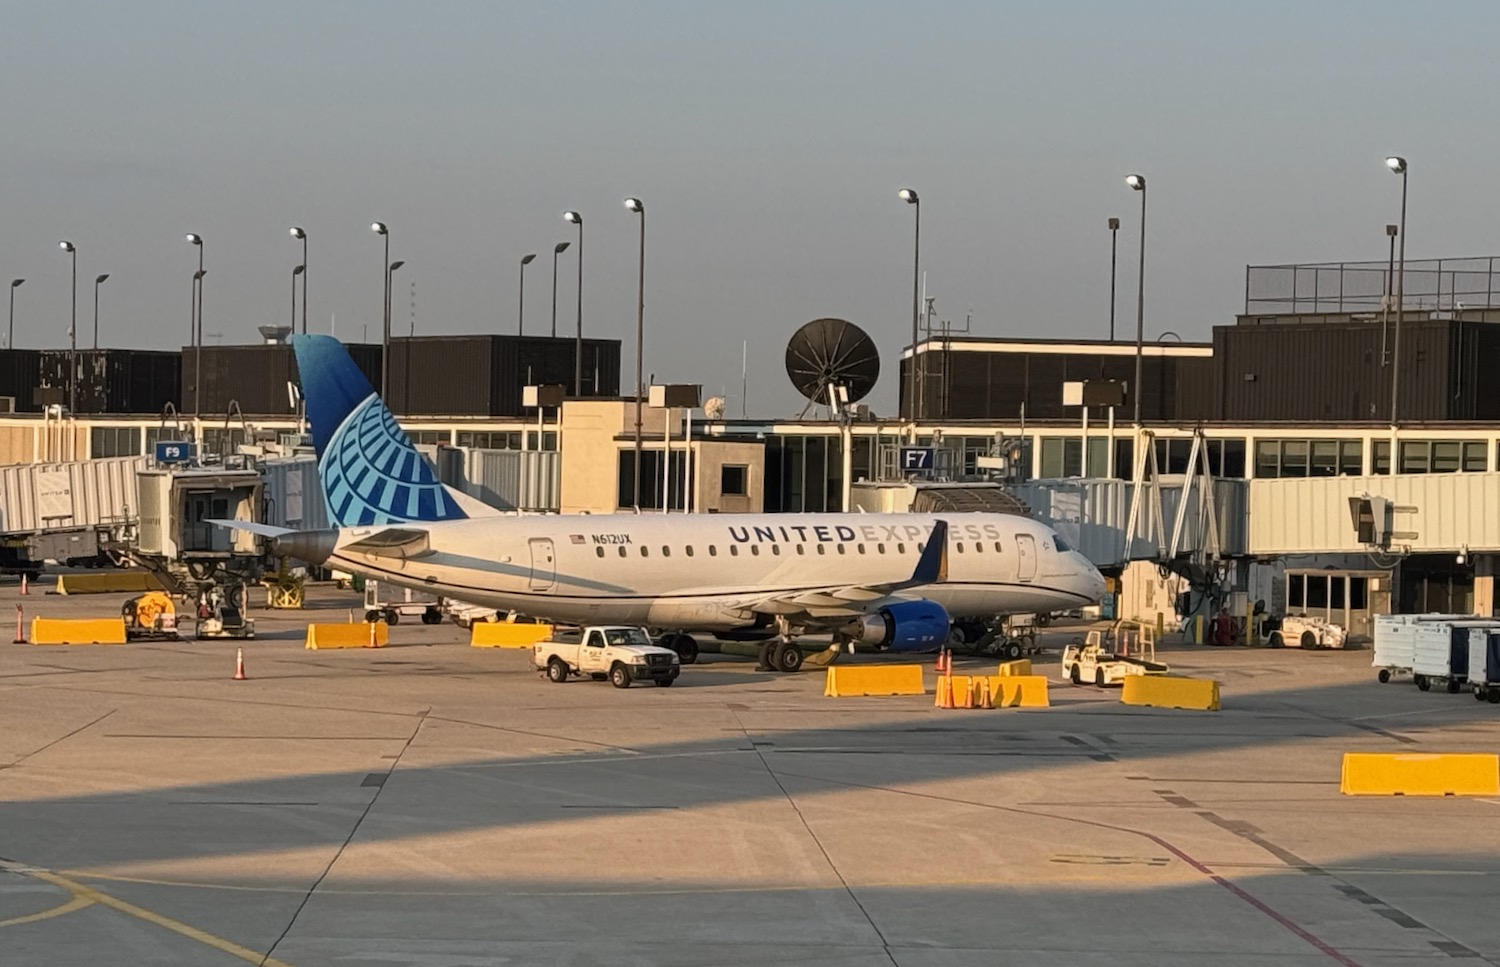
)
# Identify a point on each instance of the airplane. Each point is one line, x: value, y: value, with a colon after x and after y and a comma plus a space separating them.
x: 896, y: 581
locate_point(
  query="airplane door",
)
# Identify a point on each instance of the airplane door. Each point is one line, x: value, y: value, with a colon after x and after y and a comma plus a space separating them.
x: 1025, y: 557
x: 543, y: 567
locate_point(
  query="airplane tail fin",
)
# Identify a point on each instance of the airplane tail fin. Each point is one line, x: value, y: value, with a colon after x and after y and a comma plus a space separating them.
x: 371, y: 471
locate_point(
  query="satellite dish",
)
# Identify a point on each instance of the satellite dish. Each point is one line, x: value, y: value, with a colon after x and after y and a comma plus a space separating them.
x: 828, y: 353
x: 713, y: 408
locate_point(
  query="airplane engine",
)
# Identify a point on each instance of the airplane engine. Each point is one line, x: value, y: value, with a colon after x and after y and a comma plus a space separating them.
x: 908, y: 626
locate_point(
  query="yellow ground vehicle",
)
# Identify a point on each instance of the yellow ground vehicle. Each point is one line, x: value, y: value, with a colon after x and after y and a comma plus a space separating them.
x: 150, y: 617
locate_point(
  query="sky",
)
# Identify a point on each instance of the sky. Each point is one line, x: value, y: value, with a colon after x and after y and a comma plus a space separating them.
x: 768, y: 141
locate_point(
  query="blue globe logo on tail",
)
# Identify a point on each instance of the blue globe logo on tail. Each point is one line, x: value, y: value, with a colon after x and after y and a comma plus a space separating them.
x: 371, y: 472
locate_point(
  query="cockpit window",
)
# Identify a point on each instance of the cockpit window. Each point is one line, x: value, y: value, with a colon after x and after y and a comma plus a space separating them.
x: 1062, y: 545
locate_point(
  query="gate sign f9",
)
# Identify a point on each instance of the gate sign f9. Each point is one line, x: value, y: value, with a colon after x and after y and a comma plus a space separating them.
x: 173, y: 451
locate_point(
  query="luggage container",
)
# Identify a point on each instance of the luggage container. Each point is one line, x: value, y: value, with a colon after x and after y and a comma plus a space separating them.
x: 1395, y: 645
x: 1484, y: 663
x: 1440, y: 654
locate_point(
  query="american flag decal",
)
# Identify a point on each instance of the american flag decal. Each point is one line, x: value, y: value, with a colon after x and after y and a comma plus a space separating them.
x: 576, y: 538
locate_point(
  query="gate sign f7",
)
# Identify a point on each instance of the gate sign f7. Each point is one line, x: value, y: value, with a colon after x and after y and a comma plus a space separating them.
x: 915, y: 459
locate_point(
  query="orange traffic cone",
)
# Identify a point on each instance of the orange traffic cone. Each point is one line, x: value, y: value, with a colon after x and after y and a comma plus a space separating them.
x: 982, y: 693
x: 25, y: 588
x: 944, y: 692
x: 239, y: 665
x: 20, y: 626
x: 943, y: 665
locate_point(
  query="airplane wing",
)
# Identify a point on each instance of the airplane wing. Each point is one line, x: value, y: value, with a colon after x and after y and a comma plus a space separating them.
x: 854, y: 599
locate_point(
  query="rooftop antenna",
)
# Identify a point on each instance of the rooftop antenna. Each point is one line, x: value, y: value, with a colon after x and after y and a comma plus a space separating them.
x: 826, y: 353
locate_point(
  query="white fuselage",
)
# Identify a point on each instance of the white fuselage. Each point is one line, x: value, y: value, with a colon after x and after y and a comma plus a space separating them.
x: 715, y: 571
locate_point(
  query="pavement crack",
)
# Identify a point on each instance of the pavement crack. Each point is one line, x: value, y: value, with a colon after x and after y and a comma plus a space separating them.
x: 61, y: 738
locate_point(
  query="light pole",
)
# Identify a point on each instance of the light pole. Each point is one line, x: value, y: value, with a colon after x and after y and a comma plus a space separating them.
x: 385, y: 340
x: 385, y: 354
x: 576, y: 219
x: 97, y: 282
x: 296, y: 271
x: 297, y: 232
x: 557, y: 250
x: 1138, y: 183
x: 1398, y: 165
x: 910, y: 197
x: 521, y: 298
x: 10, y: 337
x: 197, y: 242
x: 72, y: 250
x: 639, y: 207
x: 1114, y: 246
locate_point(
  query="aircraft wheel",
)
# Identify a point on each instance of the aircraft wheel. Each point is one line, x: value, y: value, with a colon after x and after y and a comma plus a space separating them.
x: 557, y: 671
x: 686, y: 648
x: 787, y: 657
x: 619, y: 676
x: 765, y: 655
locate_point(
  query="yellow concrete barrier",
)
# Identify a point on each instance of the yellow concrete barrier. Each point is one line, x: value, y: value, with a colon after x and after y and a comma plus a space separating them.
x: 78, y: 631
x: 846, y: 680
x: 108, y: 581
x: 1020, y: 691
x: 1021, y: 666
x: 1409, y: 774
x: 504, y: 634
x: 1170, y: 691
x: 348, y: 636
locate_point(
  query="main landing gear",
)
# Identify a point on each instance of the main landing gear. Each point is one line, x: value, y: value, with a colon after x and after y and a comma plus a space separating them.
x: 780, y: 654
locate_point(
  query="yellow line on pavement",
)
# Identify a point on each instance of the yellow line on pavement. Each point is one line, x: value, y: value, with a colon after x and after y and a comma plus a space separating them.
x: 77, y: 903
x: 87, y: 895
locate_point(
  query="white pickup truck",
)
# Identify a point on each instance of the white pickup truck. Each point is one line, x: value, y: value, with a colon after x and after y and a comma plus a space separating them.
x: 620, y: 653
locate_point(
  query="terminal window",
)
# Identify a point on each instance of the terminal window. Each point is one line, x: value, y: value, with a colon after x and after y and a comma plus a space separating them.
x: 734, y: 480
x: 115, y: 441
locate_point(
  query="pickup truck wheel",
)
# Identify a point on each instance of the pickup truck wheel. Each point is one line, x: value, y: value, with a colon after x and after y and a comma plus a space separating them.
x: 619, y: 676
x: 1075, y: 676
x: 557, y: 670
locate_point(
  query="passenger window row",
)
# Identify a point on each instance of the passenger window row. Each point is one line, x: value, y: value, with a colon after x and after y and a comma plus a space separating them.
x: 734, y: 549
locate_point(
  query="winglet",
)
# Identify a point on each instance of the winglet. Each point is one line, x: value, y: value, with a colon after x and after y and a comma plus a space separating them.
x: 932, y: 566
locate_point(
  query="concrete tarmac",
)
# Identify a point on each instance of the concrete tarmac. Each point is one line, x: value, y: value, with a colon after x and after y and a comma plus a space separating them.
x: 433, y: 804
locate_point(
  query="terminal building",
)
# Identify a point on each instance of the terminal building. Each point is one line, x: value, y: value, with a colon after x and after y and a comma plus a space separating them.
x: 1233, y: 487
